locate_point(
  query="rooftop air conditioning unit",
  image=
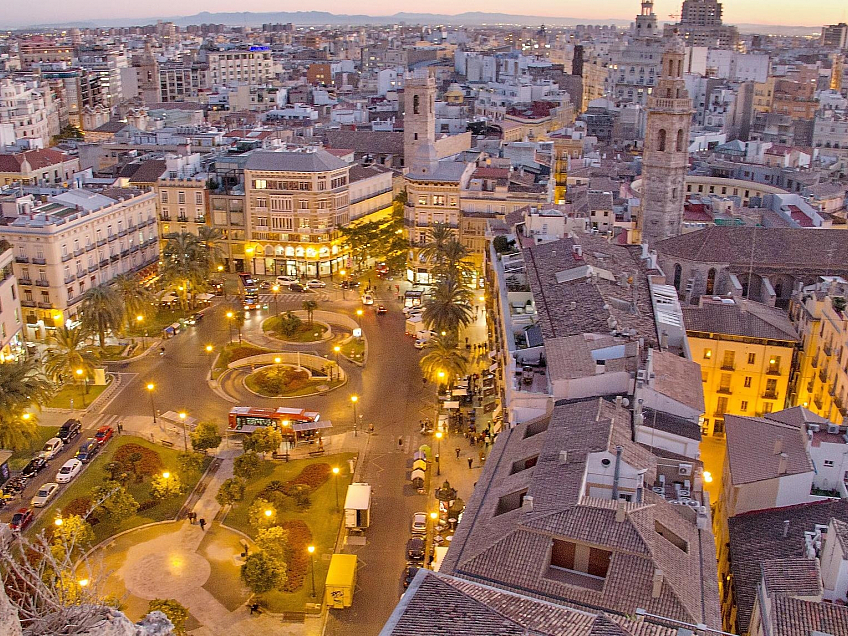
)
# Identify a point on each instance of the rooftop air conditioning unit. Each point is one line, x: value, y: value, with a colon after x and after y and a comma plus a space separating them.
x: 684, y: 469
x: 833, y: 428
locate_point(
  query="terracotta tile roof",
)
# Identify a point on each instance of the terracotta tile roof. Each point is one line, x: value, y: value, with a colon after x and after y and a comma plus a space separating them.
x: 511, y: 550
x: 444, y: 605
x: 774, y: 247
x: 149, y: 171
x: 751, y: 452
x: 677, y: 378
x: 490, y: 173
x: 742, y: 318
x: 796, y: 617
x: 37, y: 159
x: 795, y: 576
x: 798, y: 417
x: 317, y: 161
x: 757, y: 537
x: 366, y: 141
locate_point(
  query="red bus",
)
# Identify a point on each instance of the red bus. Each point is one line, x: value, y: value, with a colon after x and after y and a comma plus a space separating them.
x: 294, y: 424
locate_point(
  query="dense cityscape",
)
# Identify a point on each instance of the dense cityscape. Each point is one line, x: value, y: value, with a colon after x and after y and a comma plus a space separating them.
x: 487, y: 325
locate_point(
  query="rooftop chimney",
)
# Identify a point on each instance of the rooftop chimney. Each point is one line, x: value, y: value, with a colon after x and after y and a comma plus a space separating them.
x: 620, y: 514
x: 781, y: 463
x: 656, y: 588
x: 778, y: 445
x: 786, y: 528
x: 617, y: 473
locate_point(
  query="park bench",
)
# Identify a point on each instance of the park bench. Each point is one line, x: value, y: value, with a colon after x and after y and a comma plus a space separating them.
x: 167, y: 443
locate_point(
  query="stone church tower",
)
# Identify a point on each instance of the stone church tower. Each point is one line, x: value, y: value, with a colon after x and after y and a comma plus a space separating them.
x: 665, y: 159
x: 419, y: 122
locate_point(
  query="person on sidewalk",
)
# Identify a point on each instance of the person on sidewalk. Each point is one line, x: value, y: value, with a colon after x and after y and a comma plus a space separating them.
x: 458, y: 451
x: 202, y: 523
x: 470, y: 462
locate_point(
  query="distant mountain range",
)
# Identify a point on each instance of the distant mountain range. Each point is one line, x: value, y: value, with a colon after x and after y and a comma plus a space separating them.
x: 307, y: 18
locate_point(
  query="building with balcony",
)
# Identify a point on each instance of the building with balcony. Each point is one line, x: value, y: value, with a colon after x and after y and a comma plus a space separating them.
x: 26, y: 106
x: 818, y: 312
x: 747, y: 355
x: 239, y: 66
x: 37, y: 167
x: 182, y: 204
x: 296, y: 202
x: 11, y: 323
x: 66, y: 241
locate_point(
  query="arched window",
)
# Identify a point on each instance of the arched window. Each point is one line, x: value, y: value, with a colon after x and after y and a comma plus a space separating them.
x: 661, y: 140
x: 711, y: 281
x: 670, y: 68
x: 679, y: 139
x: 416, y: 101
x: 678, y: 275
x: 679, y: 68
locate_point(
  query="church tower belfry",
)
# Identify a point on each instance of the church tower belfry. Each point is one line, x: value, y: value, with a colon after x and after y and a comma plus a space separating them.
x: 419, y: 122
x: 665, y: 159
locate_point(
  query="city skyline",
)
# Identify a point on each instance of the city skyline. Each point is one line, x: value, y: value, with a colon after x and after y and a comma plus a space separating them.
x: 776, y: 12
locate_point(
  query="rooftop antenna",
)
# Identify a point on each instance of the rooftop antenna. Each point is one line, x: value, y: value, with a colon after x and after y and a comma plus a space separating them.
x: 751, y: 262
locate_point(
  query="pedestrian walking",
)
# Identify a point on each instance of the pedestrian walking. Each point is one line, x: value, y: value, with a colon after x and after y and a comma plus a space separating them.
x: 470, y: 462
x: 120, y: 428
x: 482, y: 457
x: 458, y: 451
x: 202, y: 523
x: 400, y: 442
x: 254, y: 608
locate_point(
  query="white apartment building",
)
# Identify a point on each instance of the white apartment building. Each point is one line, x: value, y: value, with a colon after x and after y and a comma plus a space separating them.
x: 25, y: 106
x: 231, y: 66
x: 106, y: 64
x: 66, y: 241
x: 11, y: 343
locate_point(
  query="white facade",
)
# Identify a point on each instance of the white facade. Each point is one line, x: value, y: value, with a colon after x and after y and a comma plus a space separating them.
x: 77, y: 240
x: 738, y: 67
x: 24, y: 106
x: 239, y: 66
x: 834, y: 565
x: 11, y: 344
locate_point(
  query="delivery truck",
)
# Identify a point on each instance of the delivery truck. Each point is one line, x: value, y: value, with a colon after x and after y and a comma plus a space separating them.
x: 341, y: 581
x: 358, y: 506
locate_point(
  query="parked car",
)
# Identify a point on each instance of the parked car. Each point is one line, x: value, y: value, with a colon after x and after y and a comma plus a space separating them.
x: 409, y: 312
x: 367, y: 299
x: 264, y: 284
x: 35, y: 466
x: 415, y: 549
x: 45, y: 494
x: 104, y: 434
x: 69, y: 470
x: 419, y: 523
x: 316, y: 284
x: 296, y: 287
x: 409, y: 573
x: 381, y: 309
x: 420, y: 344
x: 21, y: 519
x: 350, y: 284
x: 70, y: 429
x: 285, y: 280
x: 194, y: 318
x: 51, y: 448
x: 88, y: 450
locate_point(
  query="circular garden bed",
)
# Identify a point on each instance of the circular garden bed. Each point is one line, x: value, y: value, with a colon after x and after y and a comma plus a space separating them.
x: 292, y: 329
x: 282, y: 380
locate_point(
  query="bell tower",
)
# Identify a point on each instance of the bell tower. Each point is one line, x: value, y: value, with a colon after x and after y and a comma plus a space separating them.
x: 665, y: 158
x: 419, y: 122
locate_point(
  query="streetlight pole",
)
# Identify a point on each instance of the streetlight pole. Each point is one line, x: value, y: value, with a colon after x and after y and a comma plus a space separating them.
x: 342, y: 273
x: 276, y: 290
x: 185, y: 434
x: 80, y: 373
x: 230, y: 324
x: 150, y: 388
x: 139, y: 319
x: 311, y: 550
x: 337, y: 349
x: 438, y: 451
x: 336, y: 479
x: 354, y: 399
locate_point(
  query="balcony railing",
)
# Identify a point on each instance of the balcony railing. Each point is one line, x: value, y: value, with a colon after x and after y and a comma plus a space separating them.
x: 769, y: 395
x: 814, y: 363
x: 79, y: 252
x: 27, y: 303
x: 21, y: 259
x: 817, y: 401
x: 92, y: 268
x: 25, y: 281
x: 104, y: 262
x: 724, y: 390
x: 66, y: 257
x: 828, y: 349
x: 823, y: 375
x: 39, y: 261
x: 42, y: 282
x: 112, y: 237
x: 773, y: 371
x: 728, y: 367
x: 45, y: 305
x: 70, y: 278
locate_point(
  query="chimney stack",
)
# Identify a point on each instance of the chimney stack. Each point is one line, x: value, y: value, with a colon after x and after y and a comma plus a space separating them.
x: 620, y: 514
x: 781, y: 463
x: 786, y: 528
x: 778, y: 445
x: 656, y: 588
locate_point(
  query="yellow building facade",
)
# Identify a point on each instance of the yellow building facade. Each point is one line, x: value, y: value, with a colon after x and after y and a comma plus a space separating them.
x: 747, y: 355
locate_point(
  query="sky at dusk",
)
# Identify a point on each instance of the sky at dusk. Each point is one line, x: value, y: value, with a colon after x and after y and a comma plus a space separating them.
x: 787, y: 12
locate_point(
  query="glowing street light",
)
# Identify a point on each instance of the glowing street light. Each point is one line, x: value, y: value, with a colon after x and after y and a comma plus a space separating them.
x: 276, y: 290
x: 59, y: 521
x: 166, y: 475
x: 708, y: 477
x: 354, y: 399
x: 80, y: 375
x: 439, y: 435
x: 209, y: 348
x: 269, y: 513
x: 150, y: 387
x: 311, y: 550
x: 336, y: 475
x: 185, y: 434
x: 83, y: 582
x: 230, y: 315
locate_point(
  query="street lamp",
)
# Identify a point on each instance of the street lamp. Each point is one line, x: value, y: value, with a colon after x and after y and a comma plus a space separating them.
x: 185, y: 434
x: 311, y: 550
x: 276, y: 290
x: 140, y: 319
x: 269, y: 513
x: 342, y: 274
x: 336, y: 475
x: 230, y: 324
x: 84, y: 386
x: 286, y: 438
x: 438, y: 452
x: 166, y: 475
x: 209, y: 348
x: 354, y: 399
x: 150, y: 387
x: 337, y: 349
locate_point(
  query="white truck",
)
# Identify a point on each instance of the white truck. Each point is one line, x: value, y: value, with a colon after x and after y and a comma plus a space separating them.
x: 357, y: 506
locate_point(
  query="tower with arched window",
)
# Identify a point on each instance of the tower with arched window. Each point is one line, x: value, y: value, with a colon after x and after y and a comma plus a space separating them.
x: 666, y: 156
x: 419, y: 121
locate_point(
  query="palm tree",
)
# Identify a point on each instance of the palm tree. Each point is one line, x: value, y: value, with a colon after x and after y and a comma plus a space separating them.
x: 440, y: 235
x: 135, y: 297
x: 442, y: 361
x: 449, y: 307
x: 101, y: 311
x: 309, y: 306
x: 21, y: 385
x: 65, y: 356
x: 210, y: 246
x: 183, y: 267
x: 453, y: 263
x: 238, y: 318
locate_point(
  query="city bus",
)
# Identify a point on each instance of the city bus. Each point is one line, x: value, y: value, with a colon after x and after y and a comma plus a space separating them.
x: 295, y: 424
x: 249, y: 291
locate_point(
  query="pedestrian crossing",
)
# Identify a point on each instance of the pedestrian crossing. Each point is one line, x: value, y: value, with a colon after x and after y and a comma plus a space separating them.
x: 105, y: 419
x: 292, y: 297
